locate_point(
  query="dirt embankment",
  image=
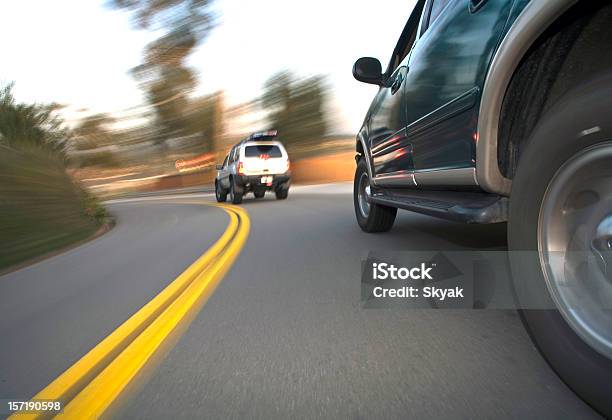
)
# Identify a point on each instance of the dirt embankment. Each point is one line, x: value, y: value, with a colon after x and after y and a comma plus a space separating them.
x: 323, y: 169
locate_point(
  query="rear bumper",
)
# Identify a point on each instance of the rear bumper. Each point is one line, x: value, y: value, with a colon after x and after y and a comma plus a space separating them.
x: 253, y: 182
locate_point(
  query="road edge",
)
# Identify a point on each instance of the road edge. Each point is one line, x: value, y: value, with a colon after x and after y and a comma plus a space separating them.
x: 106, y: 227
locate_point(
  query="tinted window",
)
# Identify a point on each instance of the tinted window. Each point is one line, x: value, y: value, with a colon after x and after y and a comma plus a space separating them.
x: 256, y: 151
x: 407, y: 38
x: 233, y: 155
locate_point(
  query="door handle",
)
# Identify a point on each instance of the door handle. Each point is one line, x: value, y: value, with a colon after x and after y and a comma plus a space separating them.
x: 476, y: 4
x: 397, y: 83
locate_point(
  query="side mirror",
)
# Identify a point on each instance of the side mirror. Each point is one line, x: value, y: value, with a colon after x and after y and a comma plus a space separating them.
x: 368, y: 70
x: 219, y: 167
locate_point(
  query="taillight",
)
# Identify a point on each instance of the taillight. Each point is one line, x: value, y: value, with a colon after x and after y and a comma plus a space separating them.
x: 240, y: 168
x: 288, y: 165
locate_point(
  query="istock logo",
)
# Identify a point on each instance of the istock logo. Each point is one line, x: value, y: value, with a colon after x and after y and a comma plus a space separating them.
x: 384, y: 271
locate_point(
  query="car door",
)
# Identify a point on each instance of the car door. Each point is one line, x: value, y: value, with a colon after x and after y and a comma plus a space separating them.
x: 227, y: 168
x: 387, y: 129
x: 233, y: 160
x: 447, y: 68
x: 223, y: 173
x: 391, y: 152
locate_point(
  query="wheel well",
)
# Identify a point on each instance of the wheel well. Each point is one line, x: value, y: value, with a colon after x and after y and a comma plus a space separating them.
x: 573, y: 49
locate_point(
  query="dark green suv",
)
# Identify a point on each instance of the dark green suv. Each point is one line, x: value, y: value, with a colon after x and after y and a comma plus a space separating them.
x: 501, y: 110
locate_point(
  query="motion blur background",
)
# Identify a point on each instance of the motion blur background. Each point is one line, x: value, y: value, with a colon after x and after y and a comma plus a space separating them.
x: 107, y: 98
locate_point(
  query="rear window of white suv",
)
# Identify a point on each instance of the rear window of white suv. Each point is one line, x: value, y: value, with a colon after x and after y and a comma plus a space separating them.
x: 270, y: 151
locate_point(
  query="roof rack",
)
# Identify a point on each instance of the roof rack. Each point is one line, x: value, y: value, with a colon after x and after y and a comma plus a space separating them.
x: 257, y: 136
x: 262, y: 134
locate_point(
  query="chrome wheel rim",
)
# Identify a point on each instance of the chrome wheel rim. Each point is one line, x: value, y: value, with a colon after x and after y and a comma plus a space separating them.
x: 363, y: 193
x: 575, y: 244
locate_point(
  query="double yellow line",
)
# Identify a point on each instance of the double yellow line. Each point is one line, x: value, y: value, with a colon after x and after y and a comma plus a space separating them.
x: 89, y: 387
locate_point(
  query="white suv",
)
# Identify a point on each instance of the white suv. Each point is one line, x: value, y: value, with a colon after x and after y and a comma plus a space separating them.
x: 258, y: 164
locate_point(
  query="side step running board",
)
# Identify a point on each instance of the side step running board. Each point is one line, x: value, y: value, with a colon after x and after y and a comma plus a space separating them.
x: 459, y: 206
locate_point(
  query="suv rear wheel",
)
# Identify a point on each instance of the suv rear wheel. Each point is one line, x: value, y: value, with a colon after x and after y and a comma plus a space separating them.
x: 235, y: 193
x: 371, y: 217
x: 220, y: 194
x: 282, y: 193
x: 561, y: 214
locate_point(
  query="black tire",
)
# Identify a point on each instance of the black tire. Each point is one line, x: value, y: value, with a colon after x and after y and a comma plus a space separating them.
x: 580, y: 120
x: 235, y: 193
x: 282, y: 193
x: 379, y: 218
x: 259, y: 194
x: 220, y: 195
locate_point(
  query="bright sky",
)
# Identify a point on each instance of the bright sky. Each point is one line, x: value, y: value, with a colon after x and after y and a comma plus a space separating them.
x: 79, y: 52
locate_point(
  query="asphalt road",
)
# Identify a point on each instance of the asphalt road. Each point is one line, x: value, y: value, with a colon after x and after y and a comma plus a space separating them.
x: 284, y: 335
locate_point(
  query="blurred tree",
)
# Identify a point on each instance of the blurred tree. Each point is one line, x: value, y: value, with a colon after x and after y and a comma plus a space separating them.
x: 168, y: 96
x: 26, y: 125
x: 93, y: 132
x: 186, y: 22
x: 295, y: 108
x: 95, y: 138
x: 164, y: 75
x: 201, y: 121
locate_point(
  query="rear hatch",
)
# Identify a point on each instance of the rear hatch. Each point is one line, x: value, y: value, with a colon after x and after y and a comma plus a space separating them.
x: 262, y: 159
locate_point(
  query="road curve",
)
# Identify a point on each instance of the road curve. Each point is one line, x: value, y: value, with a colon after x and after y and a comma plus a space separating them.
x: 57, y: 310
x: 284, y: 334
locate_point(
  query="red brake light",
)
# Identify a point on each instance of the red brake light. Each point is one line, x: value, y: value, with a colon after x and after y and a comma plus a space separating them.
x: 240, y: 168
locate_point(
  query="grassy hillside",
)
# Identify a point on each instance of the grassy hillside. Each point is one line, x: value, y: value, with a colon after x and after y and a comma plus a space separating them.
x: 41, y: 209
